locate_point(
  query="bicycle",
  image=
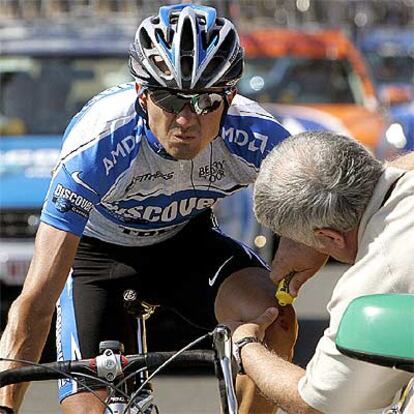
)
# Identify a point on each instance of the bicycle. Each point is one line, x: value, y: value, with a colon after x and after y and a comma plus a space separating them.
x: 114, y: 370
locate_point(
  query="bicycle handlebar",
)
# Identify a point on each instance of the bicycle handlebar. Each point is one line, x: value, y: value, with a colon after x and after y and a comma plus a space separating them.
x: 111, y: 366
x: 60, y: 369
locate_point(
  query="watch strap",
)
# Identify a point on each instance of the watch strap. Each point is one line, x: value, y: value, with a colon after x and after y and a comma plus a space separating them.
x: 238, y: 346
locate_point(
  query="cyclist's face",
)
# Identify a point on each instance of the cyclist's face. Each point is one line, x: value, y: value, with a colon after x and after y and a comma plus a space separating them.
x: 186, y: 134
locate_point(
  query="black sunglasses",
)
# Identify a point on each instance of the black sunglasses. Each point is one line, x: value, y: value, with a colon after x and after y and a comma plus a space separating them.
x: 174, y: 102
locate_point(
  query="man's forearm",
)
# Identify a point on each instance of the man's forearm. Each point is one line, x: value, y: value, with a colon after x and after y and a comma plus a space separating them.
x: 24, y: 338
x: 406, y: 162
x: 276, y: 378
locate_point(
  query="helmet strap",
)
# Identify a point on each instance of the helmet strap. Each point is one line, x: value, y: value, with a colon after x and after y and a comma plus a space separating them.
x: 225, y: 110
x: 141, y: 111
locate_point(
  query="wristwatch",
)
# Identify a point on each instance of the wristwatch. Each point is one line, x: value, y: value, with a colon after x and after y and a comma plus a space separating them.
x: 237, y: 347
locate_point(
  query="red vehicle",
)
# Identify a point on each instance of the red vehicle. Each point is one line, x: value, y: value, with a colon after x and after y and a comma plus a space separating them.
x: 313, y: 80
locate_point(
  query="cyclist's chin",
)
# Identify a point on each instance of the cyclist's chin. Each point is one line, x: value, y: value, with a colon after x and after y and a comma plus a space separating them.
x: 184, y: 150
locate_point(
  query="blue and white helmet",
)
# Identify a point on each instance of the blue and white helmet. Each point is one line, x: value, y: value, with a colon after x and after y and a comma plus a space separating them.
x: 186, y: 47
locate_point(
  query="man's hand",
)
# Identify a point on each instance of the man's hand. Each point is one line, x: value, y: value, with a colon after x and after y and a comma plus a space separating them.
x: 297, y: 262
x: 256, y: 328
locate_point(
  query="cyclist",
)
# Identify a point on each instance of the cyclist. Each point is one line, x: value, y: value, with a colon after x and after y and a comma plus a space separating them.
x: 129, y: 204
x: 327, y: 192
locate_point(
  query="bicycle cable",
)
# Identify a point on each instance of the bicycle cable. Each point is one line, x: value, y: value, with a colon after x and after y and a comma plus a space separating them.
x: 58, y: 371
x: 163, y: 365
x: 120, y: 383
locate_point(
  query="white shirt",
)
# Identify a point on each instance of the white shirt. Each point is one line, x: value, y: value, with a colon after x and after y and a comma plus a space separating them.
x: 334, y: 383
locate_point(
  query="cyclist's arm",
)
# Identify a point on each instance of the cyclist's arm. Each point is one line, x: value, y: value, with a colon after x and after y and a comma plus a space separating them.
x: 31, y: 314
x: 406, y: 162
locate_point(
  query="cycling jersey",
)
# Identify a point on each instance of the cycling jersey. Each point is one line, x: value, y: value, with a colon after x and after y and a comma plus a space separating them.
x: 115, y: 181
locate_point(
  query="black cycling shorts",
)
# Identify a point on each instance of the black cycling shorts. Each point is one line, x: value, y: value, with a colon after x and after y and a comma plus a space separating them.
x: 182, y: 273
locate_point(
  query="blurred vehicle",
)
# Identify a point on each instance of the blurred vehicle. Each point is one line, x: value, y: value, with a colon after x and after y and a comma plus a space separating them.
x: 313, y: 81
x: 47, y: 74
x: 390, y: 54
x: 308, y: 81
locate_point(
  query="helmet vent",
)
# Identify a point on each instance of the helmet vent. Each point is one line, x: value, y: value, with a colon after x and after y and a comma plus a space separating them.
x: 174, y: 17
x: 186, y: 41
x: 145, y: 40
x: 228, y: 43
x: 186, y: 66
x: 235, y: 71
x: 201, y: 20
x: 212, y: 67
x: 160, y: 64
x: 204, y: 39
x: 160, y: 35
x: 214, y: 34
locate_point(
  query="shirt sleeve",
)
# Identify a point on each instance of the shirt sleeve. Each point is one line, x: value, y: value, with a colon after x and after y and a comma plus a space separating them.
x: 334, y: 383
x: 69, y: 201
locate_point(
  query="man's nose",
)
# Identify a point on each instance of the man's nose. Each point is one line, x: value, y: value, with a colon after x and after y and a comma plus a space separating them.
x: 185, y: 117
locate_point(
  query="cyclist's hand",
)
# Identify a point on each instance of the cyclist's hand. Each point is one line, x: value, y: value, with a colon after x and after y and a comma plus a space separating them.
x: 256, y: 328
x: 296, y: 262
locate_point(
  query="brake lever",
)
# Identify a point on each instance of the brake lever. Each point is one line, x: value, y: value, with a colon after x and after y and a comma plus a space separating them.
x: 223, y: 346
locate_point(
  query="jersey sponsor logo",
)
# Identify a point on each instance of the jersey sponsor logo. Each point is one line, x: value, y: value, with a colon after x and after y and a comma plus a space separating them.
x: 144, y: 233
x: 167, y: 214
x: 59, y: 347
x: 241, y: 138
x: 67, y: 200
x: 78, y: 180
x: 213, y: 172
x: 123, y: 148
x: 150, y: 177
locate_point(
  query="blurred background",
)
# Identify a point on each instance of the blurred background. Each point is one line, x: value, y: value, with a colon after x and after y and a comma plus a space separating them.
x: 339, y: 65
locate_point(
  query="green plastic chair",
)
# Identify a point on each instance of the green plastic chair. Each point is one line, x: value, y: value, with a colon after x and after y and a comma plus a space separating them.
x: 379, y: 329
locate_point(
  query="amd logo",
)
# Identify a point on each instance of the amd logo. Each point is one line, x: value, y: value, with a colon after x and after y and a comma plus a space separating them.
x: 124, y: 148
x: 241, y: 137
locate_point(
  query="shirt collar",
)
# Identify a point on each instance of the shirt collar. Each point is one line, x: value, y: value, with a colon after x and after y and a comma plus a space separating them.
x: 386, y: 180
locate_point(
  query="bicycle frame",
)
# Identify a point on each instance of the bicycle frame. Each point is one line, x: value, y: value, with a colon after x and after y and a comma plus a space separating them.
x: 113, y: 369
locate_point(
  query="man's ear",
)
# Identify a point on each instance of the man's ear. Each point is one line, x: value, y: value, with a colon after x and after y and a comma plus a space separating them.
x: 330, y: 238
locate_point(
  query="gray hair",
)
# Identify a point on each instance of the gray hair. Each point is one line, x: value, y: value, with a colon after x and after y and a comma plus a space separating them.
x: 315, y: 180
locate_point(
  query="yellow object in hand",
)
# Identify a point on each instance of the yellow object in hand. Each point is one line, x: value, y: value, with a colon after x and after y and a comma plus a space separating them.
x: 282, y: 293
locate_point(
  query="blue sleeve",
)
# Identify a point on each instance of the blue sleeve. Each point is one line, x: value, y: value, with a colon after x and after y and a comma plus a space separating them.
x: 68, y: 203
x: 252, y: 138
x: 87, y: 171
